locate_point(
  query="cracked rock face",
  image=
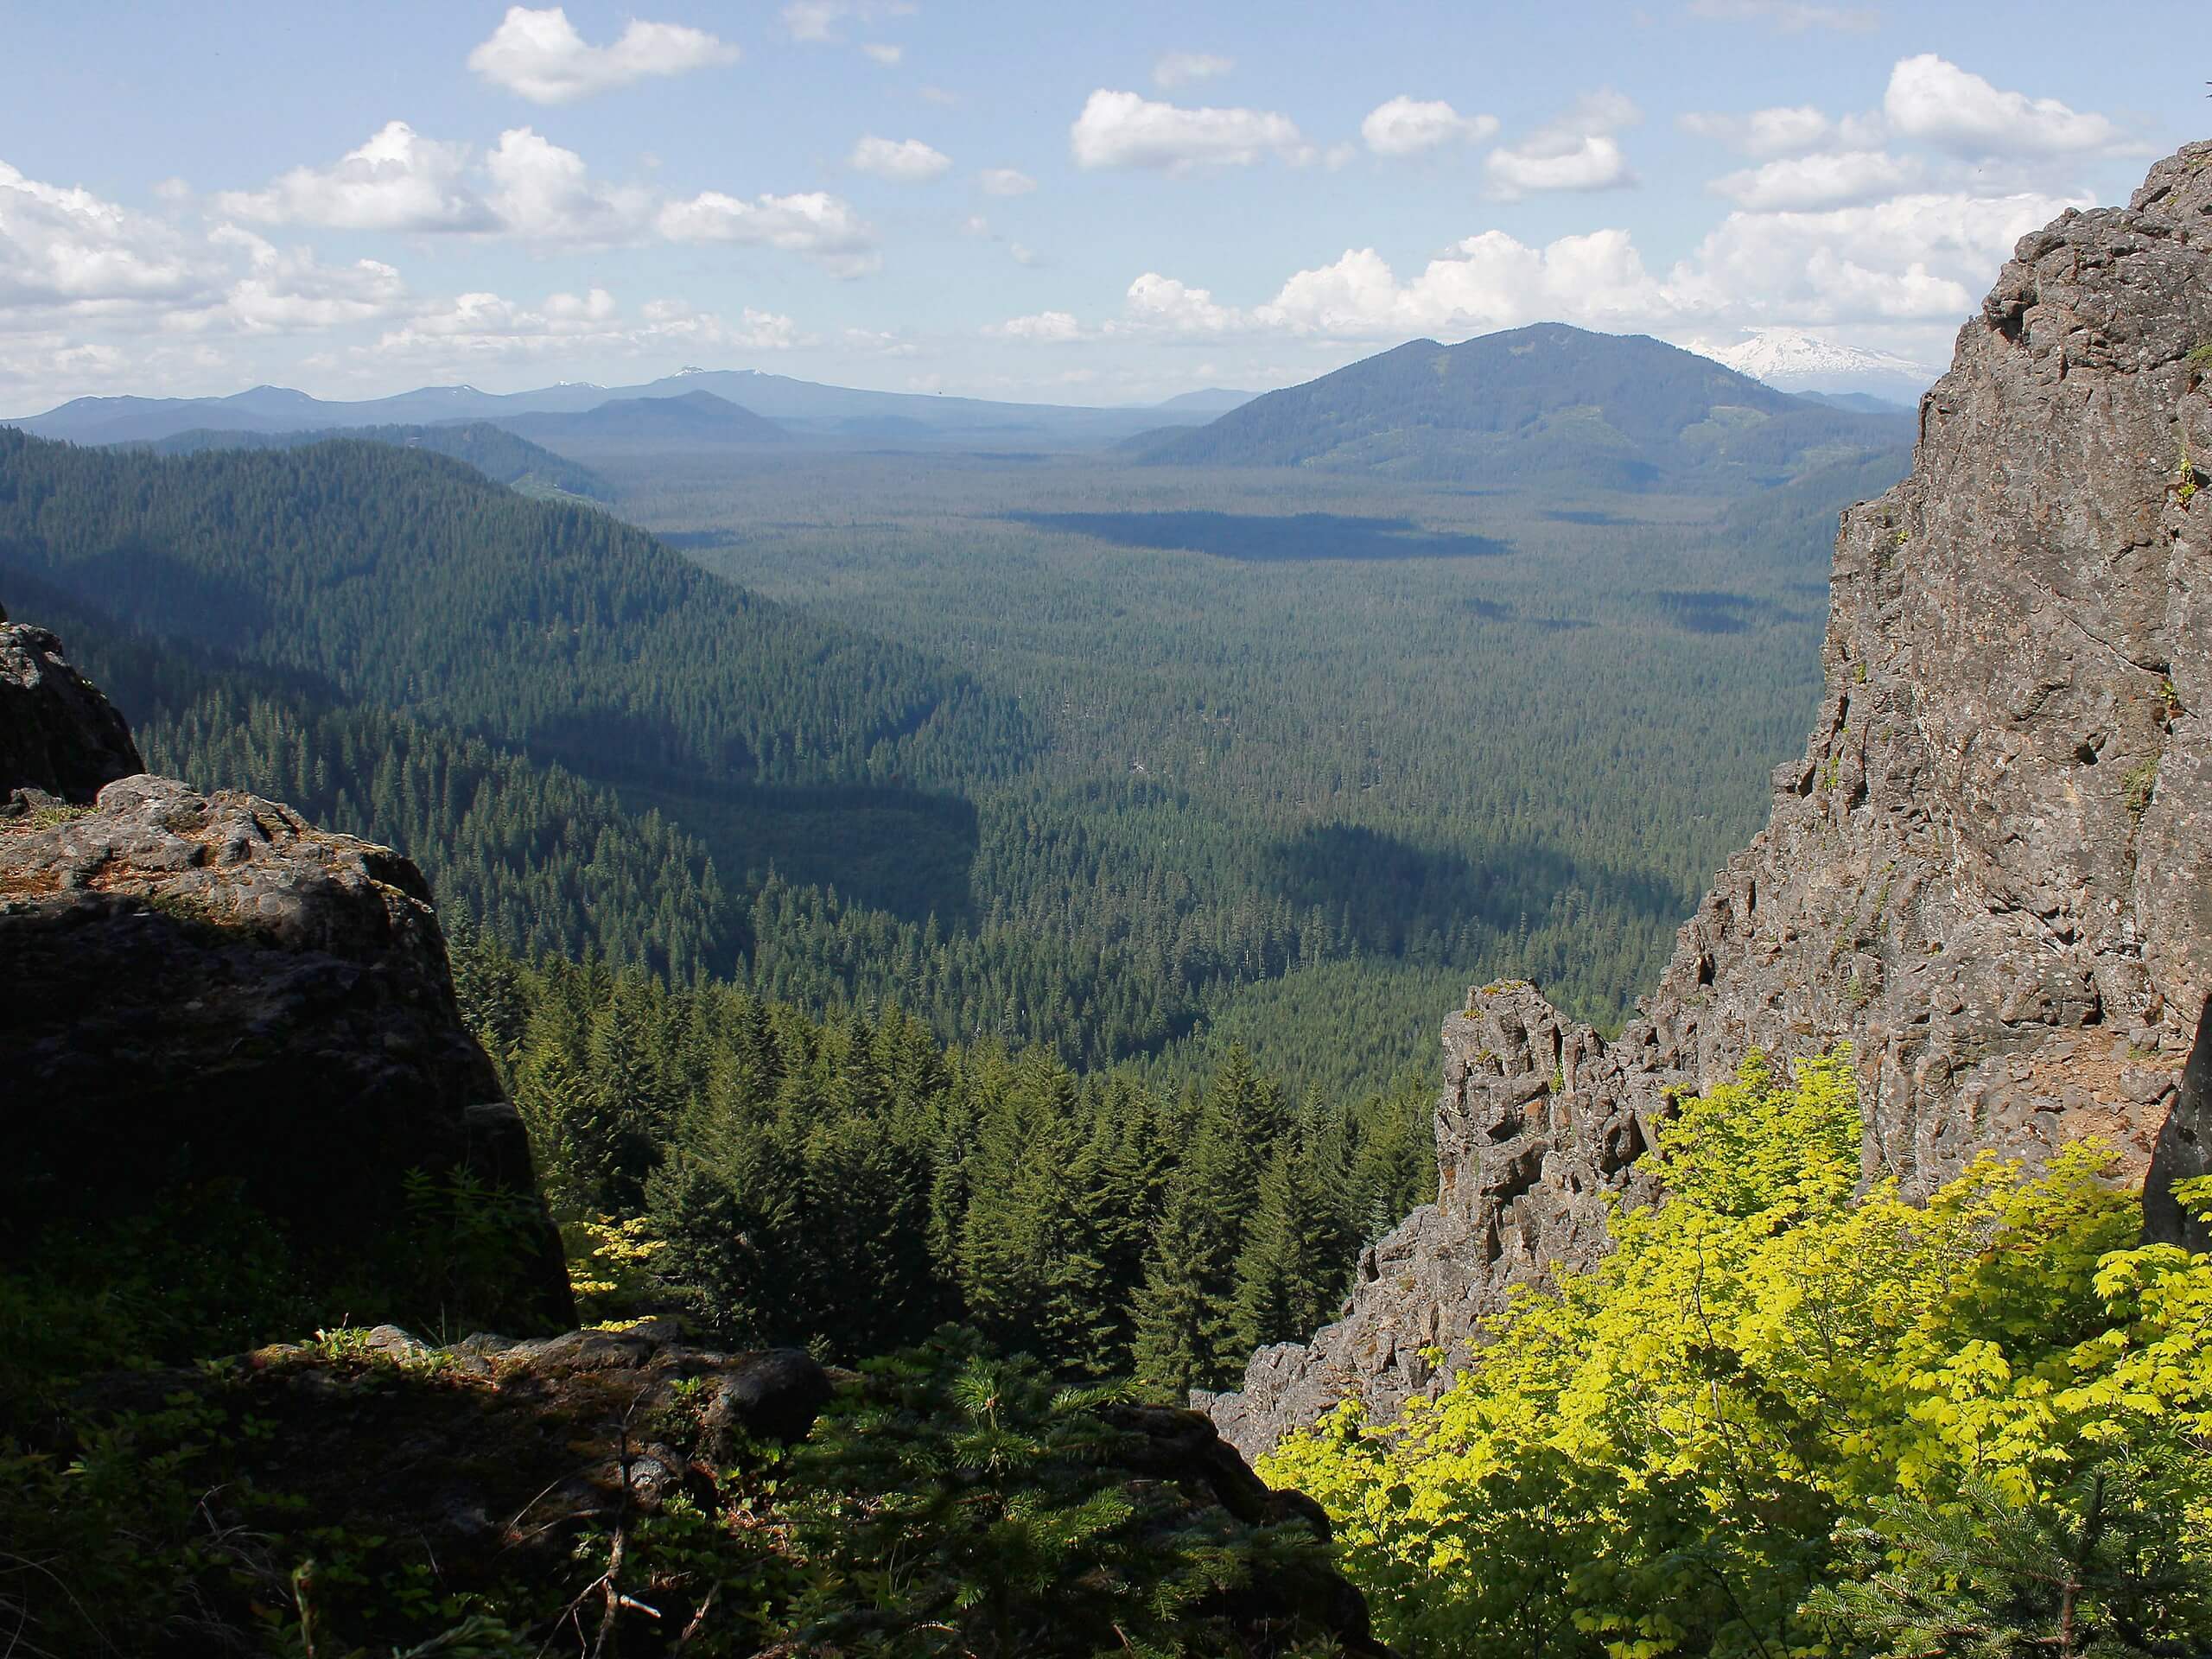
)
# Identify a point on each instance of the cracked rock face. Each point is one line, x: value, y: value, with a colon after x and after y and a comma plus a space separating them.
x: 60, y: 739
x: 1992, y: 871
x: 207, y: 988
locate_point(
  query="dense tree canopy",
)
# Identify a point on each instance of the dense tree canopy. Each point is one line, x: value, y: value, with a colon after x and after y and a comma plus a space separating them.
x: 1784, y: 1417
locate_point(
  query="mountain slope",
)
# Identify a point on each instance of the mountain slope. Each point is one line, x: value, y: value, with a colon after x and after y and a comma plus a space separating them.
x: 408, y: 580
x: 491, y: 450
x: 693, y: 416
x: 536, y: 857
x: 1210, y: 400
x: 1546, y: 403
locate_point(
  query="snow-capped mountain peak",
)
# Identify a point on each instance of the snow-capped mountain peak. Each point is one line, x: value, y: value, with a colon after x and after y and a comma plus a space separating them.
x: 1794, y: 361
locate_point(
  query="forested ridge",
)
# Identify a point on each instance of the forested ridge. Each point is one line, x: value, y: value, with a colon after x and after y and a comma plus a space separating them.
x: 411, y: 580
x: 494, y: 451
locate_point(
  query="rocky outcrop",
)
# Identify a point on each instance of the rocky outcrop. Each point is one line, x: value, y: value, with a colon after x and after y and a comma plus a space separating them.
x: 60, y: 739
x: 206, y: 992
x: 1991, y: 870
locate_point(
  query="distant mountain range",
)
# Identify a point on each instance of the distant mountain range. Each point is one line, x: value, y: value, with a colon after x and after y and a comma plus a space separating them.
x: 1212, y: 400
x: 1548, y: 404
x: 693, y: 416
x: 802, y: 407
x: 1608, y: 411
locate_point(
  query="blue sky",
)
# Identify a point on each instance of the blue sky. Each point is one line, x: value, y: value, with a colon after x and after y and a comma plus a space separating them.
x: 1080, y: 204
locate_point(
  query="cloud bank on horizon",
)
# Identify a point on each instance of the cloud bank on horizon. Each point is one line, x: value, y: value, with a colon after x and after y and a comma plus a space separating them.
x: 575, y: 191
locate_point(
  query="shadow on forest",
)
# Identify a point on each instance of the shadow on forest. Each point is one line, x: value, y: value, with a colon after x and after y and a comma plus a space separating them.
x: 1707, y: 611
x: 885, y: 847
x: 142, y: 587
x: 1262, y: 538
x: 1391, y: 889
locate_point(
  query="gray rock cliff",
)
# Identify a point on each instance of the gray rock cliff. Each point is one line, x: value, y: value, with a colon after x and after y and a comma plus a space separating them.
x: 1991, y: 870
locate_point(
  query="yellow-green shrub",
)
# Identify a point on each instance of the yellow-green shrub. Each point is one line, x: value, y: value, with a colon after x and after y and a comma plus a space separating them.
x: 1676, y: 1450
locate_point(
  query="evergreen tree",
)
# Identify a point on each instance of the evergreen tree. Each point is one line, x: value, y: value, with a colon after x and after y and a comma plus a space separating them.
x: 1290, y: 1270
x: 1185, y: 1332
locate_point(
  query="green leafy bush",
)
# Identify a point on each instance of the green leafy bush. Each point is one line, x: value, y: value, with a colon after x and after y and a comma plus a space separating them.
x: 1780, y: 1408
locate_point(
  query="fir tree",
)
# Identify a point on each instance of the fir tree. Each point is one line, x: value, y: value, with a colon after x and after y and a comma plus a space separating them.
x: 1185, y: 1333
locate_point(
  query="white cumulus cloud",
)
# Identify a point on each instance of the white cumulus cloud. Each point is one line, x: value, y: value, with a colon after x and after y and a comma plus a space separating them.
x: 398, y: 181
x: 1907, y: 266
x: 1788, y: 130
x: 1165, y: 303
x: 1406, y: 126
x: 1828, y: 180
x: 1575, y: 151
x: 1922, y: 257
x: 1489, y: 280
x: 1935, y: 101
x: 64, y: 246
x: 288, y: 290
x: 1046, y: 327
x: 538, y: 54
x: 1005, y: 182
x: 1129, y: 130
x: 671, y: 321
x: 883, y: 51
x: 1181, y: 68
x: 820, y: 226
x: 544, y: 193
x: 901, y: 161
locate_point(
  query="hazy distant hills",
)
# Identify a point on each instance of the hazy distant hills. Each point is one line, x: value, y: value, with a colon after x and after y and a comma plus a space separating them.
x: 1548, y: 404
x: 693, y: 416
x: 1211, y: 400
x: 800, y: 406
x: 494, y: 451
x: 1861, y: 402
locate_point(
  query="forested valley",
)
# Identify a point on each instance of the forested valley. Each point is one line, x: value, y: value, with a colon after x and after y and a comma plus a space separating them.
x: 1083, y: 787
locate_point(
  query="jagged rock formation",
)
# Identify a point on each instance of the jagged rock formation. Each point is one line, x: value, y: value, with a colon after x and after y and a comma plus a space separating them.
x: 1991, y: 872
x: 207, y: 988
x: 60, y: 739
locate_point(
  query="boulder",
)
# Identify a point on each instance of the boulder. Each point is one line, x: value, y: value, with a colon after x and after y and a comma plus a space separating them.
x: 203, y: 989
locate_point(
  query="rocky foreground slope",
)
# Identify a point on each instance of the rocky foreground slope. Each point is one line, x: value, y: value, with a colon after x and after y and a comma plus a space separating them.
x: 1991, y: 872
